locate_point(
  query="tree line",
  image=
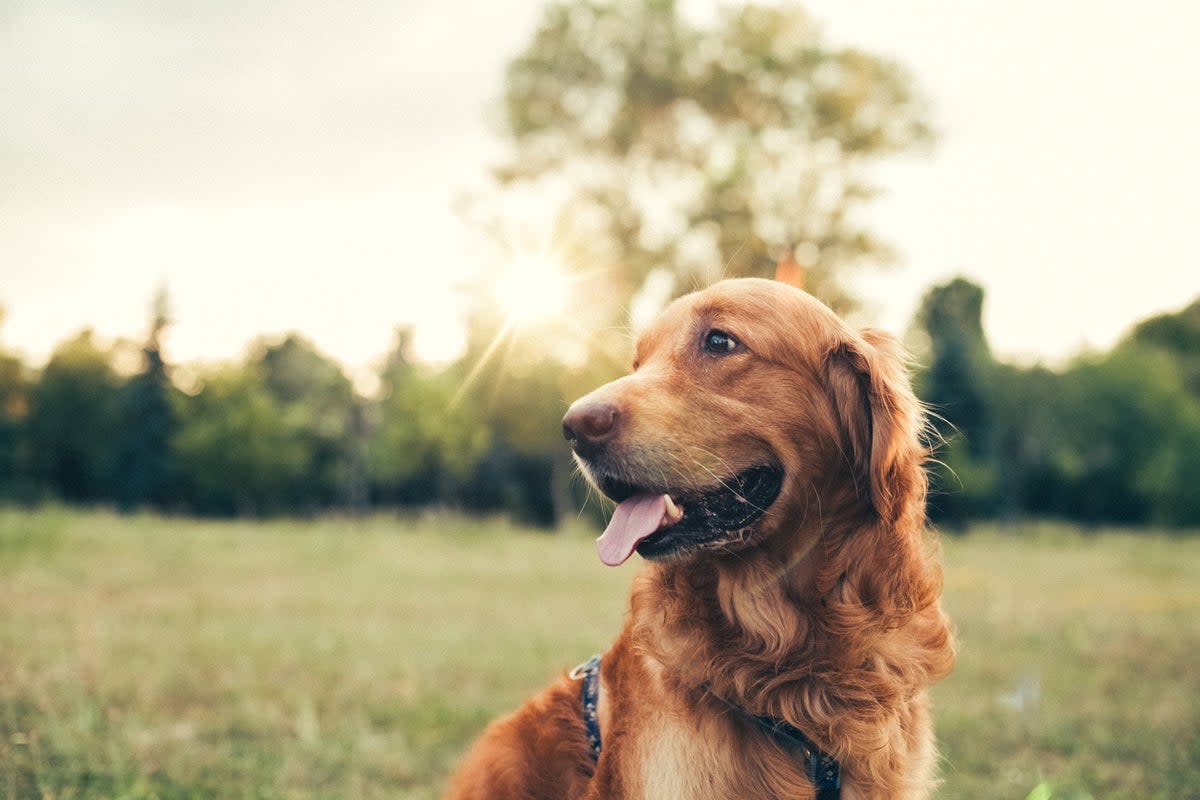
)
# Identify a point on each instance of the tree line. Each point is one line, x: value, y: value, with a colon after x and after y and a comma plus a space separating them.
x: 1110, y: 437
x: 281, y: 431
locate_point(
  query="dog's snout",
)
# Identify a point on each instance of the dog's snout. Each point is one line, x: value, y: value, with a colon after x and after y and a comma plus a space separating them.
x: 588, y: 425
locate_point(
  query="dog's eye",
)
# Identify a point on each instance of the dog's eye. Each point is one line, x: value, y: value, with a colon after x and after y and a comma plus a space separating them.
x: 719, y: 342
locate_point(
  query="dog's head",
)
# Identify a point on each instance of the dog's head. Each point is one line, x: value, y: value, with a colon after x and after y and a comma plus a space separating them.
x: 750, y: 406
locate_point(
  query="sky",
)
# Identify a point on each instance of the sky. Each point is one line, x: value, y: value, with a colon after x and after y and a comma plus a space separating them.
x: 301, y: 165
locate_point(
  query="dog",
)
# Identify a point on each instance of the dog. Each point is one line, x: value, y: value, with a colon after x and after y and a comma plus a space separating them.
x: 768, y: 464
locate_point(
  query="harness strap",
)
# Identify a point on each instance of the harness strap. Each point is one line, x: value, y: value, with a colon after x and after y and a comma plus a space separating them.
x: 822, y: 769
x: 589, y: 672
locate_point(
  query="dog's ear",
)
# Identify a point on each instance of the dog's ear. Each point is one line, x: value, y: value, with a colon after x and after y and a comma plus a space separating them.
x: 880, y: 573
x: 880, y: 420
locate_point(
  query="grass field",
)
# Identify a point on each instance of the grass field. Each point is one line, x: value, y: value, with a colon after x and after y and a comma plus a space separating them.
x: 151, y: 658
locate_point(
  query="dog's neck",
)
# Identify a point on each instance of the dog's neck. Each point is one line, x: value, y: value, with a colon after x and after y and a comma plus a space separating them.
x: 755, y: 607
x: 769, y: 631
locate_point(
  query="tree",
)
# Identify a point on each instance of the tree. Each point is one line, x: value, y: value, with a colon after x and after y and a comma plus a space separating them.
x: 1116, y: 414
x: 146, y: 423
x: 73, y: 421
x: 1029, y: 407
x: 426, y: 437
x: 14, y: 412
x: 528, y: 467
x: 707, y: 151
x: 237, y: 450
x: 319, y: 402
x: 681, y: 154
x: 956, y: 381
x: 1178, y: 335
x: 958, y: 386
x: 1115, y: 437
x: 1169, y: 475
x: 519, y: 385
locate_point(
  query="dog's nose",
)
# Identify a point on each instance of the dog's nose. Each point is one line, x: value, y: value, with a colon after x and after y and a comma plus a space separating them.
x: 588, y: 425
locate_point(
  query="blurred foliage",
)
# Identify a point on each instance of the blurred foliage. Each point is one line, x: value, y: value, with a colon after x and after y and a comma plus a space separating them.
x: 708, y: 151
x: 1177, y: 335
x: 1109, y: 438
x: 516, y: 391
x: 1112, y: 437
x: 15, y: 474
x: 424, y: 443
x: 318, y: 402
x: 238, y: 448
x: 146, y: 424
x: 957, y: 387
x: 72, y: 421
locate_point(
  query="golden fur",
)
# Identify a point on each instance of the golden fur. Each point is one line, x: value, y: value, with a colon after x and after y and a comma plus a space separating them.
x: 824, y: 614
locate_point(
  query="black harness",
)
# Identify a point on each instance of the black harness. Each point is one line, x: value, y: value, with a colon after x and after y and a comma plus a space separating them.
x: 822, y: 769
x: 589, y: 671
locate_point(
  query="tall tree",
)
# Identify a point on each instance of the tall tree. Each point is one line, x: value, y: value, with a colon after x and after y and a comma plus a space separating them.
x: 147, y: 423
x: 319, y: 402
x: 957, y: 385
x: 73, y: 420
x: 707, y: 150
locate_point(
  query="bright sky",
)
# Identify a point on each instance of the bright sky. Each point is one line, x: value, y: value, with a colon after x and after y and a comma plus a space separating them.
x: 297, y: 165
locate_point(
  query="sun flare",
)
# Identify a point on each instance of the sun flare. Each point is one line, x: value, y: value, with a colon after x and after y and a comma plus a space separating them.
x: 533, y: 288
x: 534, y: 296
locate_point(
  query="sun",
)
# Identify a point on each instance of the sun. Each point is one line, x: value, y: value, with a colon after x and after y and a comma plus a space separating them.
x: 533, y: 288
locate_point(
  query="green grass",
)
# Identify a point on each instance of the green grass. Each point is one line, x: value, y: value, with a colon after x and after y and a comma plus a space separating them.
x: 151, y: 658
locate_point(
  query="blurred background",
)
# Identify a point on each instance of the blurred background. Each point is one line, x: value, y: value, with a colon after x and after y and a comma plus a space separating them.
x: 298, y: 267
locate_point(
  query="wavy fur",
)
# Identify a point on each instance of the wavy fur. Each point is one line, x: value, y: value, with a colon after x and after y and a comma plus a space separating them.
x: 826, y: 614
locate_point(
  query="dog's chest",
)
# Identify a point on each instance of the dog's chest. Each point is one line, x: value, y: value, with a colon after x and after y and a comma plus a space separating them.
x: 674, y: 761
x: 685, y: 759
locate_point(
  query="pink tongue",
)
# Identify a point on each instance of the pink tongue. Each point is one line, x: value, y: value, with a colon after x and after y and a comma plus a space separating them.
x: 633, y: 520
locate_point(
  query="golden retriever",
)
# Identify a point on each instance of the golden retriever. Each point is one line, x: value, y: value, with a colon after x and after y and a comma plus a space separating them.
x: 768, y: 465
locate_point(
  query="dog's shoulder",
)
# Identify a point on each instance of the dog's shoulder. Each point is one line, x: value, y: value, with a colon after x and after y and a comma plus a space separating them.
x: 539, y: 752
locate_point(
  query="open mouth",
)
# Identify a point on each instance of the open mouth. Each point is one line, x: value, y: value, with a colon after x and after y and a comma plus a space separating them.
x: 658, y: 523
